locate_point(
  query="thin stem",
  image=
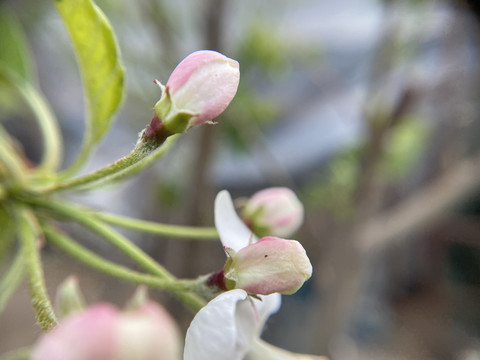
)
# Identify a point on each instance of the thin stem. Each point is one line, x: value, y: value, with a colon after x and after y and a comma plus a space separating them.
x: 98, y: 263
x: 9, y: 158
x: 189, y: 232
x: 88, y: 220
x: 41, y: 303
x: 11, y: 280
x: 141, y: 164
x: 52, y: 141
x: 142, y: 150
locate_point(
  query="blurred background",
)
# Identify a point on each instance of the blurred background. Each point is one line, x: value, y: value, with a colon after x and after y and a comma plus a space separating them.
x: 367, y: 109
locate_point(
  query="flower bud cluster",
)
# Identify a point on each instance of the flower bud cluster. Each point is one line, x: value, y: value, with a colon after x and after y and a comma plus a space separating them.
x: 270, y: 264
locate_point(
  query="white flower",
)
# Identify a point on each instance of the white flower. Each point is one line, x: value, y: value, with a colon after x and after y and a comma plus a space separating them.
x: 229, y: 328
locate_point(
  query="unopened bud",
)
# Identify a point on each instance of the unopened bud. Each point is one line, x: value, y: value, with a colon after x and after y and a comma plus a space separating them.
x: 271, y: 265
x: 69, y: 298
x: 148, y: 333
x: 198, y: 90
x: 102, y: 332
x: 275, y: 211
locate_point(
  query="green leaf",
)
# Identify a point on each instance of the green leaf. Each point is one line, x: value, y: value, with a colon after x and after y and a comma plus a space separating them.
x: 15, y: 59
x: 100, y: 64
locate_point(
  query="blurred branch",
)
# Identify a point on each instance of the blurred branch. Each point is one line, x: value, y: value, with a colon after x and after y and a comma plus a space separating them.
x: 450, y: 189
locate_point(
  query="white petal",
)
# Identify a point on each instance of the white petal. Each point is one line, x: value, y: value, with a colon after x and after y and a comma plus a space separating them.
x: 223, y: 329
x: 233, y: 232
x: 269, y: 305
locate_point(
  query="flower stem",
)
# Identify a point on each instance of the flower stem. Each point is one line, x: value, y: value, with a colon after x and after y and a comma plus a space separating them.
x: 52, y: 142
x: 10, y: 281
x: 189, y: 232
x: 140, y: 151
x: 136, y: 167
x: 29, y: 233
x: 98, y: 263
x: 144, y: 153
x: 10, y: 162
x: 88, y: 220
x: 62, y: 211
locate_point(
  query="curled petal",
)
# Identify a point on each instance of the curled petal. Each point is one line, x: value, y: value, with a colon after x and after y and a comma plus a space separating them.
x: 223, y: 329
x: 268, y: 305
x: 234, y: 234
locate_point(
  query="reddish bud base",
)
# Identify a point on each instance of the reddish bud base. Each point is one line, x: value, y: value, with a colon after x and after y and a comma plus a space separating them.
x: 217, y: 280
x: 156, y: 131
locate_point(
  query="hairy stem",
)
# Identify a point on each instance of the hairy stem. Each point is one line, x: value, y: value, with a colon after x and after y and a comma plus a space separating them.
x: 29, y: 234
x: 189, y: 232
x: 88, y: 220
x: 127, y: 165
x: 96, y: 262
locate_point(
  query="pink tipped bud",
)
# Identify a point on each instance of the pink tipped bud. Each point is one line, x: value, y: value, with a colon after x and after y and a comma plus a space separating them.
x: 198, y: 90
x: 271, y: 265
x: 147, y: 332
x: 102, y: 332
x: 69, y: 297
x: 89, y: 334
x: 275, y: 211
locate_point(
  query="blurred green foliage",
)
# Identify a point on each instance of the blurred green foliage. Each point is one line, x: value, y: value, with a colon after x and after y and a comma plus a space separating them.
x: 404, y: 146
x: 335, y: 188
x: 15, y: 59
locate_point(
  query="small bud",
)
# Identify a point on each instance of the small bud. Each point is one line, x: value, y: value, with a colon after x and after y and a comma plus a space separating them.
x: 198, y: 90
x: 69, y: 298
x: 268, y: 266
x: 102, y: 332
x: 89, y: 334
x: 148, y: 333
x: 275, y: 211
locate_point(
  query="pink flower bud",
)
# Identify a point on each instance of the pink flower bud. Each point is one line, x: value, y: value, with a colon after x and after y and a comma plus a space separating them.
x: 268, y: 266
x: 102, y: 332
x: 198, y: 90
x: 86, y: 335
x: 148, y: 333
x: 275, y: 211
